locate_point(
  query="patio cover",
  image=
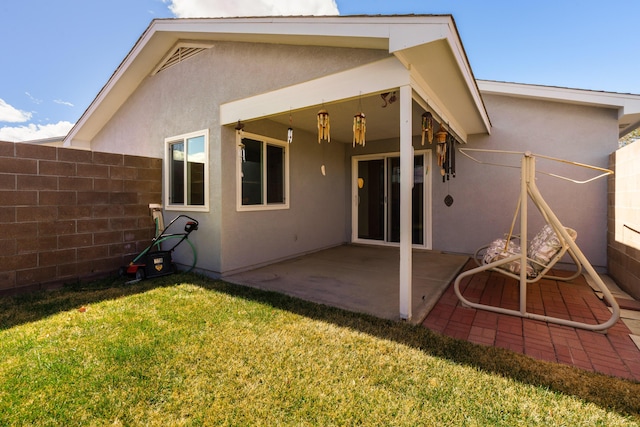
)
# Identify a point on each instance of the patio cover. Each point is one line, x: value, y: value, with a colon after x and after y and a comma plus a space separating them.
x: 428, y: 68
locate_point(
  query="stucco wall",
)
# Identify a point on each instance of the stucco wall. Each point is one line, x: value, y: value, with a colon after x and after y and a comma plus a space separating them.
x: 485, y: 197
x: 315, y: 218
x: 186, y: 98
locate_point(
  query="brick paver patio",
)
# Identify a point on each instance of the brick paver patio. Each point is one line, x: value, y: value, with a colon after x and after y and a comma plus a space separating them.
x: 614, y: 353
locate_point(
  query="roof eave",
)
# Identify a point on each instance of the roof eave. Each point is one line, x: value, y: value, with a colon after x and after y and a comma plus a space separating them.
x: 393, y: 33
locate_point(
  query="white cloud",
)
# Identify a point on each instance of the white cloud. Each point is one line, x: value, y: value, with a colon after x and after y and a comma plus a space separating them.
x: 11, y: 114
x: 33, y: 99
x: 32, y: 131
x: 225, y: 8
x: 61, y: 102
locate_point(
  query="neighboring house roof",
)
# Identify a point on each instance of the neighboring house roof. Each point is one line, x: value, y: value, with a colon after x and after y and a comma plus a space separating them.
x: 428, y: 46
x: 53, y: 141
x: 627, y: 105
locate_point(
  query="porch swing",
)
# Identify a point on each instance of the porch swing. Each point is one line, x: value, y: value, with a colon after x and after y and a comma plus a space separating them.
x: 529, y: 263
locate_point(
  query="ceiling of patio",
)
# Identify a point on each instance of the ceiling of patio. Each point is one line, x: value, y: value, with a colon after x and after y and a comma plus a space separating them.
x: 383, y: 117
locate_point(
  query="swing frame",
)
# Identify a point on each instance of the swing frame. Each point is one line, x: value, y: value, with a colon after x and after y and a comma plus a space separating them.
x: 529, y: 190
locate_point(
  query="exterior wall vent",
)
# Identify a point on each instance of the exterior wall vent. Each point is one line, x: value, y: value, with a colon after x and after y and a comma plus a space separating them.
x: 179, y: 52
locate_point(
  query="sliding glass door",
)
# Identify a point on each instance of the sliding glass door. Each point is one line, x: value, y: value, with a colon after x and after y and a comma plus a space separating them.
x: 377, y: 199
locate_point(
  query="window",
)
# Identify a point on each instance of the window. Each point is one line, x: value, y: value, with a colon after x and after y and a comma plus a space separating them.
x: 187, y: 171
x: 263, y: 173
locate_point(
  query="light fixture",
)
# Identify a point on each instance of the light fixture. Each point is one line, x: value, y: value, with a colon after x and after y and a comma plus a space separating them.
x: 324, y: 127
x: 360, y: 183
x: 239, y: 127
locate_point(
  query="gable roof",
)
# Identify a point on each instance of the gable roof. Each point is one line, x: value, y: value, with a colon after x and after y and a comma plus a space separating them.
x: 412, y: 39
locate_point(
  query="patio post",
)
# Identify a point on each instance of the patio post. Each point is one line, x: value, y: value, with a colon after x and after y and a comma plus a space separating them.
x: 406, y: 185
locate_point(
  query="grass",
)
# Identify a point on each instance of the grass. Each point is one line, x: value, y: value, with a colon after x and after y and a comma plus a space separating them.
x: 187, y: 350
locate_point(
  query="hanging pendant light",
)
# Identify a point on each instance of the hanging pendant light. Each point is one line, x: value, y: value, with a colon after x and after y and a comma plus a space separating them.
x: 427, y: 127
x: 324, y: 127
x: 359, y: 129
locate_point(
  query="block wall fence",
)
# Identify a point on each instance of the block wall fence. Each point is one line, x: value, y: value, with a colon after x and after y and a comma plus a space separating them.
x: 68, y: 215
x: 623, y: 240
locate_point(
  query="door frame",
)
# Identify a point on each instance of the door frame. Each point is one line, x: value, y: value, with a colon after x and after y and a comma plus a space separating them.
x: 427, y: 199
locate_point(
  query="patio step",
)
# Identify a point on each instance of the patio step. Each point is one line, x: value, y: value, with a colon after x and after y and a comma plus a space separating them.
x: 628, y: 304
x: 629, y: 307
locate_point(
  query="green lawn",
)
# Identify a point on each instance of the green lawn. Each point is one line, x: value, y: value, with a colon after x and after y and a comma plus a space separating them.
x: 187, y: 350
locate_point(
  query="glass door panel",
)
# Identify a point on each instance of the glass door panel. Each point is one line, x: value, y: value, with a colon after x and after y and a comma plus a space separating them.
x: 371, y: 199
x: 378, y: 211
x: 417, y: 229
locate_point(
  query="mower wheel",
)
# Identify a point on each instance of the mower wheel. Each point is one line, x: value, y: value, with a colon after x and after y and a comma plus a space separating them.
x: 140, y: 274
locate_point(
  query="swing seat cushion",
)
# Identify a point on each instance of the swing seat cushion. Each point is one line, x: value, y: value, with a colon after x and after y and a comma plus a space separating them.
x: 542, y: 250
x: 496, y: 251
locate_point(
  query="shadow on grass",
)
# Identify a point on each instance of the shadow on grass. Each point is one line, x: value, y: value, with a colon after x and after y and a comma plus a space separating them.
x: 30, y: 307
x: 607, y: 392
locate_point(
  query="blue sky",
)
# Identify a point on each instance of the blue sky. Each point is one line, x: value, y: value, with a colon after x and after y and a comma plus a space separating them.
x: 58, y: 54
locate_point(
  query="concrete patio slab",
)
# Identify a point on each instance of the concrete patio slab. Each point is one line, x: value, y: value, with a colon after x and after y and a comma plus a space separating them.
x: 359, y: 278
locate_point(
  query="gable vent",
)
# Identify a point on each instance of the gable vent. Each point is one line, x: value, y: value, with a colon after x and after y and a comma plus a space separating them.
x: 179, y: 52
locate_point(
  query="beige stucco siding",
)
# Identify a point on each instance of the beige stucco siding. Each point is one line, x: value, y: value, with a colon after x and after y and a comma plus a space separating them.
x: 486, y: 197
x: 186, y: 98
x: 315, y: 218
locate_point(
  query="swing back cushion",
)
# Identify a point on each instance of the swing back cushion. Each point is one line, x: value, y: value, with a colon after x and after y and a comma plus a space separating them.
x: 542, y: 250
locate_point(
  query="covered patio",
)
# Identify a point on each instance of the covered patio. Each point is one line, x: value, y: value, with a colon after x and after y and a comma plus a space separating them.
x: 426, y: 72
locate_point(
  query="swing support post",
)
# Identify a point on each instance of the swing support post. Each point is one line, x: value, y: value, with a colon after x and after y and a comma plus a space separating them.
x: 525, y: 172
x: 528, y: 189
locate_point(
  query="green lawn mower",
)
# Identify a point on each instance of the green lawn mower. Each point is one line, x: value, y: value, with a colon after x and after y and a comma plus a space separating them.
x: 157, y: 259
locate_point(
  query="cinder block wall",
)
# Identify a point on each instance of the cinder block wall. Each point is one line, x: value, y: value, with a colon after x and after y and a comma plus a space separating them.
x: 67, y: 214
x: 623, y: 249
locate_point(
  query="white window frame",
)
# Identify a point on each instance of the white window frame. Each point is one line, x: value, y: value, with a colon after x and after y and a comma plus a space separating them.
x: 167, y: 172
x: 265, y: 206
